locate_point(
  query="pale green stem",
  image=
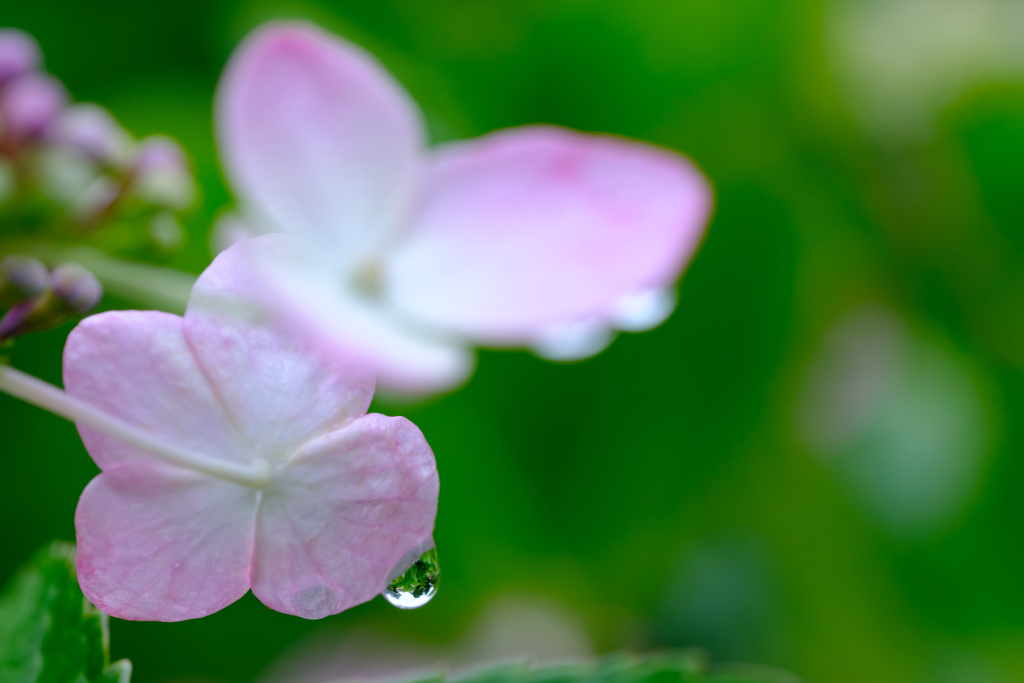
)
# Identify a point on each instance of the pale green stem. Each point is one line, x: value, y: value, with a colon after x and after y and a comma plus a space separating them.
x: 55, y: 400
x: 159, y: 287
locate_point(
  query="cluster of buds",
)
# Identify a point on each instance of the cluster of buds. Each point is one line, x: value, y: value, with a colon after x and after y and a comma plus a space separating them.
x: 77, y: 159
x: 38, y: 299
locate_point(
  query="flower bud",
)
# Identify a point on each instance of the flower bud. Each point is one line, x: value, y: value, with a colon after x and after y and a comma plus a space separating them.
x: 21, y: 277
x: 162, y: 175
x: 72, y: 290
x: 29, y: 104
x: 96, y: 199
x: 19, y: 320
x: 229, y: 229
x: 19, y: 53
x: 64, y: 174
x: 91, y: 130
x: 166, y: 230
x: 76, y: 288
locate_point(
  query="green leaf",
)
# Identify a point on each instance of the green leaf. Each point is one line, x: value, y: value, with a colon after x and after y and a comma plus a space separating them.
x: 684, y: 666
x: 749, y: 673
x: 49, y: 632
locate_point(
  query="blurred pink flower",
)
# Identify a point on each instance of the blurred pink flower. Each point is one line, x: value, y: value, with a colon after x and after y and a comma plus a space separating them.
x: 271, y: 476
x: 19, y: 53
x: 537, y: 236
x: 29, y: 104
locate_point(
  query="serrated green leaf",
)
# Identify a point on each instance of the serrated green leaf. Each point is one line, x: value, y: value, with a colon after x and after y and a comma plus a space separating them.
x: 687, y: 666
x: 562, y: 672
x: 749, y: 673
x: 509, y: 672
x: 684, y: 666
x: 49, y: 632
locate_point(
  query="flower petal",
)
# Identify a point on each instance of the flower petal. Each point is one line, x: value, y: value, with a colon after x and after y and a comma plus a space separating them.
x: 280, y: 387
x: 316, y: 134
x: 342, y: 515
x: 136, y: 365
x: 276, y: 272
x: 540, y: 226
x: 158, y: 543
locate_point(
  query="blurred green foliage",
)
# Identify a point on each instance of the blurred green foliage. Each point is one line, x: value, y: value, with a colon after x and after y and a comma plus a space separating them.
x: 670, y: 667
x: 49, y: 632
x: 664, y: 490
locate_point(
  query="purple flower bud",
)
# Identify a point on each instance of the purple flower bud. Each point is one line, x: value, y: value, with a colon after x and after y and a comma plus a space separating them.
x: 162, y: 175
x: 29, y: 104
x: 19, y: 53
x: 76, y: 287
x: 91, y: 130
x: 25, y: 274
x: 16, y: 321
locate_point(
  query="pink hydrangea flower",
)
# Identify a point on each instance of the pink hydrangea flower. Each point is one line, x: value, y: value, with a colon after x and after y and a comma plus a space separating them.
x: 240, y: 456
x: 535, y: 237
x: 19, y: 53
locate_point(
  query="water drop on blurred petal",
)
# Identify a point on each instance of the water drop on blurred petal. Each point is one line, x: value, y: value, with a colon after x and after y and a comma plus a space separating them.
x: 643, y: 310
x: 573, y: 340
x: 418, y: 585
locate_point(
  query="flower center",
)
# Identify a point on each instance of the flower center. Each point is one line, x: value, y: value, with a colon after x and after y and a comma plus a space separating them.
x: 368, y: 279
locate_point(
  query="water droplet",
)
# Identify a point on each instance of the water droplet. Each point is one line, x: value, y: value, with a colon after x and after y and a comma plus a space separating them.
x: 417, y: 585
x: 574, y: 340
x: 643, y: 310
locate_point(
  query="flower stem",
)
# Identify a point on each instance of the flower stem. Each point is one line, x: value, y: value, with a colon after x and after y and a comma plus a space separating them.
x: 46, y: 396
x: 156, y: 286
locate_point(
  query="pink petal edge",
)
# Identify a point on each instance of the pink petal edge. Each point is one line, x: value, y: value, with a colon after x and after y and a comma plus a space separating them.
x: 345, y: 513
x: 318, y: 136
x: 158, y: 543
x: 537, y: 226
x: 137, y: 365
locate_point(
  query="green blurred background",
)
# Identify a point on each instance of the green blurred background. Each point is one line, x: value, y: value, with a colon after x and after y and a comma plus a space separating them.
x: 815, y: 463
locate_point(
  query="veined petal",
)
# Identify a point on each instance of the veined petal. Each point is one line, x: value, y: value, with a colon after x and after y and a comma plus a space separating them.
x: 323, y: 304
x: 279, y: 387
x: 315, y: 134
x: 159, y: 543
x: 137, y: 365
x: 533, y: 227
x: 341, y: 515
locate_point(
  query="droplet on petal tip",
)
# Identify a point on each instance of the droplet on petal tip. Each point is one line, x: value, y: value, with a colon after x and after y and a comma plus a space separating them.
x: 572, y: 341
x: 417, y: 585
x: 643, y: 310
